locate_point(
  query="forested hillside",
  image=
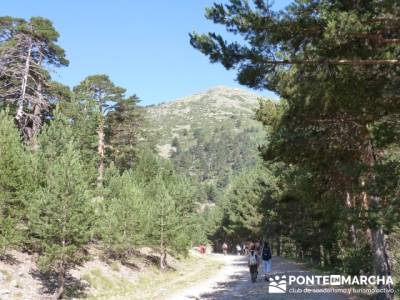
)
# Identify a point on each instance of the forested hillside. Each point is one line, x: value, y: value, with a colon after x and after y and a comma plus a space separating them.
x: 209, y: 136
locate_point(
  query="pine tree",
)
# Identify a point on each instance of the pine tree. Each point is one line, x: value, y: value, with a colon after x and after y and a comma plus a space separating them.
x: 121, y: 217
x: 122, y: 132
x: 244, y: 196
x: 184, y: 192
x: 105, y: 93
x: 61, y: 213
x: 163, y: 219
x: 81, y: 110
x: 27, y: 49
x: 13, y: 164
x: 168, y: 211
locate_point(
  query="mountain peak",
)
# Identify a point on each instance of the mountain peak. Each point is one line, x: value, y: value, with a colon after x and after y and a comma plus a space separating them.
x: 226, y: 90
x: 210, y: 108
x: 218, y: 110
x: 216, y: 95
x: 221, y: 88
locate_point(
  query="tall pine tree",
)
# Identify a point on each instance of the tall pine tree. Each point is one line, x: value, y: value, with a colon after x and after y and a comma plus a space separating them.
x: 13, y: 165
x: 27, y: 49
x: 121, y: 217
x: 122, y: 132
x: 105, y: 93
x: 61, y: 212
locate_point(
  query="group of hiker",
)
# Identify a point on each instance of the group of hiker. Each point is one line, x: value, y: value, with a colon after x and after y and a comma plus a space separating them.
x: 259, y: 254
x: 259, y: 257
x: 240, y: 250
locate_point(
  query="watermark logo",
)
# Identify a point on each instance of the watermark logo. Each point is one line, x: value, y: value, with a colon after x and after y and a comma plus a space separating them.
x: 335, y: 280
x: 277, y: 285
x: 281, y: 283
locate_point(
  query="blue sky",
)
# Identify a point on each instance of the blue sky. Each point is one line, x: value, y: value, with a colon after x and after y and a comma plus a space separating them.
x: 142, y: 45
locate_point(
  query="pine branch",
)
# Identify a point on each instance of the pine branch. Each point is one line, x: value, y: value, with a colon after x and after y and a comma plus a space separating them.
x: 355, y: 62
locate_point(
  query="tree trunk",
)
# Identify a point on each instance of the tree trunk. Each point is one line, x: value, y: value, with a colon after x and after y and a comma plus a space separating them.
x: 365, y: 206
x: 163, y: 259
x: 24, y: 83
x: 61, y: 282
x: 163, y: 251
x: 381, y: 261
x: 375, y: 234
x: 352, y: 229
x: 36, y: 124
x: 101, y: 149
x: 325, y: 256
x: 37, y: 110
x: 278, y: 246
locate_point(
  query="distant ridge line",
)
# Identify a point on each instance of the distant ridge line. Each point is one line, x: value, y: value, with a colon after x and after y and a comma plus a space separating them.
x: 222, y: 89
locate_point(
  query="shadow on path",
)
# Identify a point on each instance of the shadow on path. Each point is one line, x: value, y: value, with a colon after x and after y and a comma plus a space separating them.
x: 239, y: 285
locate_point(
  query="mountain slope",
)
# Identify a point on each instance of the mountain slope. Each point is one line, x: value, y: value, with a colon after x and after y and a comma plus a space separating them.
x: 209, y: 135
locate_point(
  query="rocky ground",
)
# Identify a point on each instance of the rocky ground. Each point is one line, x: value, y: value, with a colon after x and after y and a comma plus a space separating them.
x: 233, y: 282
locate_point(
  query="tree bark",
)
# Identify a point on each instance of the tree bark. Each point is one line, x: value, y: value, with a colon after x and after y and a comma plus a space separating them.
x: 61, y: 282
x: 375, y: 233
x: 381, y: 261
x: 163, y: 259
x: 37, y: 110
x: 352, y: 229
x: 325, y: 256
x: 100, y: 151
x: 101, y: 145
x: 278, y: 246
x: 24, y: 82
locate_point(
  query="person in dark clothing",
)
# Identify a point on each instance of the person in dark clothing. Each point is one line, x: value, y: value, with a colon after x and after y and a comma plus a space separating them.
x: 266, y: 258
x: 257, y: 246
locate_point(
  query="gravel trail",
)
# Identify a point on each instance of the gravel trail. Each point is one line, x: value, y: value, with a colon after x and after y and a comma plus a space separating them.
x: 232, y: 282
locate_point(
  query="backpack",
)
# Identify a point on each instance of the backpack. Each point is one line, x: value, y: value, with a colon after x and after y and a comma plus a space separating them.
x: 253, y: 259
x: 266, y: 254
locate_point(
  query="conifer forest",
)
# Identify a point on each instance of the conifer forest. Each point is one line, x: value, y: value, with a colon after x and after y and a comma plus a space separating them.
x: 89, y: 173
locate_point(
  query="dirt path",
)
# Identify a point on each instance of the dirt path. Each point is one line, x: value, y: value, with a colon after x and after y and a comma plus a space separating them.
x: 232, y: 282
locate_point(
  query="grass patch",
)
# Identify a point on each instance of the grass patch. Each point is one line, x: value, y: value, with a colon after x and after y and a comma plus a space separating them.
x: 151, y: 283
x: 104, y: 286
x: 98, y: 280
x: 157, y: 284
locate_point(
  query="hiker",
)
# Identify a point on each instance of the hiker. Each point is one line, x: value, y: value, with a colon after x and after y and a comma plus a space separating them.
x: 225, y: 248
x: 253, y: 263
x: 238, y: 249
x: 202, y: 249
x: 266, y: 257
x: 246, y: 249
